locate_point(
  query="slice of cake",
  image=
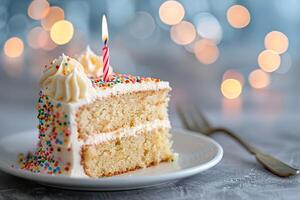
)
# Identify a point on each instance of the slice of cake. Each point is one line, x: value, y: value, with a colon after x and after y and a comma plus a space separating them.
x: 96, y: 128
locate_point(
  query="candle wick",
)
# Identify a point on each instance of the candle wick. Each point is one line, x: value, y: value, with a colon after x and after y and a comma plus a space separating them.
x: 105, y: 42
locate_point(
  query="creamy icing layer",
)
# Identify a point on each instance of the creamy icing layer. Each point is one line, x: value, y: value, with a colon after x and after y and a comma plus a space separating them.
x: 122, y: 89
x: 92, y: 63
x: 65, y: 80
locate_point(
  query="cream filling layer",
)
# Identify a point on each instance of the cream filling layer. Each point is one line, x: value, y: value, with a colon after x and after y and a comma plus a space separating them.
x: 126, y: 132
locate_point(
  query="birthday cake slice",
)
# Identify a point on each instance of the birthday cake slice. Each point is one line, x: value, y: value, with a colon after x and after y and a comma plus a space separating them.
x: 91, y: 127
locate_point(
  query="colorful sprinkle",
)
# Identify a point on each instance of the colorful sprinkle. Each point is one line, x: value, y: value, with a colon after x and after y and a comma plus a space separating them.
x: 54, y: 133
x: 121, y: 78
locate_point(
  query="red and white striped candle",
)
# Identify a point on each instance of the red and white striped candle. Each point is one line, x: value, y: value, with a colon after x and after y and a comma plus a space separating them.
x: 105, y: 49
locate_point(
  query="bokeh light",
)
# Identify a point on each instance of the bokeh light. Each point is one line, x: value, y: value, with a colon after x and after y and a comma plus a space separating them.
x: 208, y: 26
x: 206, y: 51
x: 183, y: 33
x: 233, y: 74
x: 55, y: 14
x: 277, y: 41
x: 62, y: 32
x: 171, y: 12
x: 37, y: 37
x: 38, y: 9
x: 13, y: 47
x: 231, y: 88
x: 238, y: 16
x: 269, y: 60
x: 259, y: 79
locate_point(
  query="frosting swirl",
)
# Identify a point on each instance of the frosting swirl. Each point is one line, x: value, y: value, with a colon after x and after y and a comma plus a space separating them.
x: 65, y: 80
x: 92, y: 63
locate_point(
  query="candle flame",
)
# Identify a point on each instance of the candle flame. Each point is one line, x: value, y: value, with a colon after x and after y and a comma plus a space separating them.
x: 104, y: 29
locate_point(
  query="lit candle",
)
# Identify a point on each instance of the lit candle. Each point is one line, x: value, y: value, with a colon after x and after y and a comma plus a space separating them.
x: 105, y: 49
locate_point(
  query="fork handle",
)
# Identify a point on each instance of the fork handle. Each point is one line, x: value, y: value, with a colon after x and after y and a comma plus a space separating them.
x: 272, y: 164
x: 247, y: 146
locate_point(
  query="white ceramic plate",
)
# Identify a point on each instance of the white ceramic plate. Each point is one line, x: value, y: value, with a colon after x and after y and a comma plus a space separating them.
x: 197, y: 153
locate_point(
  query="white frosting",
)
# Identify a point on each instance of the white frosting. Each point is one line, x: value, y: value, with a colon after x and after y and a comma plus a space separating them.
x: 65, y: 80
x: 121, y: 88
x: 128, y: 88
x: 77, y: 168
x: 92, y: 63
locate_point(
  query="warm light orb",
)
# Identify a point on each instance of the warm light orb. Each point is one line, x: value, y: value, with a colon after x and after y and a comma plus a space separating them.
x: 62, y: 32
x: 38, y: 9
x: 55, y: 14
x: 238, y: 16
x: 206, y: 51
x: 231, y: 88
x: 171, y: 12
x: 277, y: 41
x: 269, y: 60
x: 37, y: 37
x: 259, y: 79
x: 233, y: 74
x: 183, y: 33
x: 13, y: 47
x: 31, y: 37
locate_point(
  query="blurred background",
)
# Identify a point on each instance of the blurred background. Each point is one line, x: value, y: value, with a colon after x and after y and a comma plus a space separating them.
x: 236, y: 59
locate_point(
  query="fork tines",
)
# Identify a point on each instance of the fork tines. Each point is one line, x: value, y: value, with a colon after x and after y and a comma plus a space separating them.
x: 193, y: 119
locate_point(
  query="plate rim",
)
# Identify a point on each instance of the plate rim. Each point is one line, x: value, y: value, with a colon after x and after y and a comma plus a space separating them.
x: 107, y: 182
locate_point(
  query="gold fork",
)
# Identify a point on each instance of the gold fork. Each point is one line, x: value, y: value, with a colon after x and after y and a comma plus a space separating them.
x: 194, y: 120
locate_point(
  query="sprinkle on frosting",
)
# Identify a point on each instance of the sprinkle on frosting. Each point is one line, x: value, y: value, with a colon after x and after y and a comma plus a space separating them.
x: 65, y: 80
x: 121, y: 78
x: 92, y: 63
x: 54, y: 132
